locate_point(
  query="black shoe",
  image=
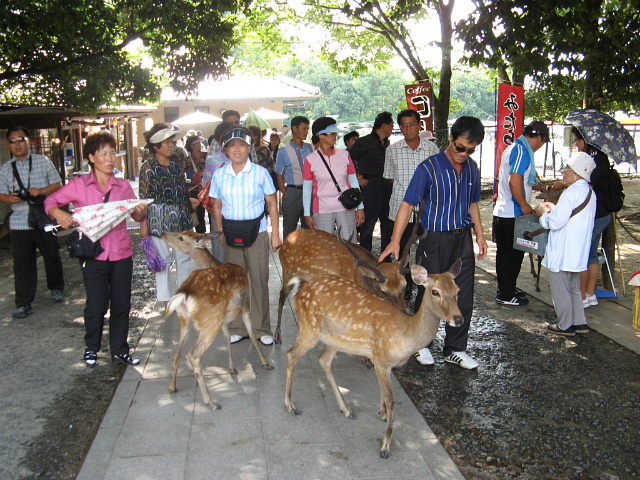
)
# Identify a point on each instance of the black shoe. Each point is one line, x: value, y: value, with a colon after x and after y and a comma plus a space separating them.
x: 520, y: 293
x: 554, y: 328
x: 22, y: 312
x: 56, y: 296
x: 581, y: 328
x: 90, y: 357
x: 125, y: 358
x: 515, y: 301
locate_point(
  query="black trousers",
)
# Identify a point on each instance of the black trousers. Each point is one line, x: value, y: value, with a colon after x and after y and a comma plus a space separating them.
x: 437, y: 253
x: 508, y: 259
x: 376, y: 196
x: 108, y: 284
x: 25, y: 267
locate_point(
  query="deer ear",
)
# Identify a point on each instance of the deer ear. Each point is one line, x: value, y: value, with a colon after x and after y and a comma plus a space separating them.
x: 212, y: 235
x: 419, y: 274
x: 455, y: 268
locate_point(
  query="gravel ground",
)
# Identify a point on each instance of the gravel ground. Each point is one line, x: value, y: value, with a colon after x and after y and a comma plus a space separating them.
x: 540, y: 406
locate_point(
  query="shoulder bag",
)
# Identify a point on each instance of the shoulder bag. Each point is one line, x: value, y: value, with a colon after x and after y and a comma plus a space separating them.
x: 350, y: 198
x: 79, y: 245
x: 38, y: 218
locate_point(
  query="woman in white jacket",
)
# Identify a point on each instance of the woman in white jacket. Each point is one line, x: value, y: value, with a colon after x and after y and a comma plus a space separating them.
x: 568, y: 245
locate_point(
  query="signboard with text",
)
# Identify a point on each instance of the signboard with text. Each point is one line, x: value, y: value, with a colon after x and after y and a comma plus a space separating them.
x: 510, y: 118
x: 420, y: 98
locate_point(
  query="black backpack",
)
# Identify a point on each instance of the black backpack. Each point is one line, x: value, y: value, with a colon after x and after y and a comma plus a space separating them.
x: 613, y: 196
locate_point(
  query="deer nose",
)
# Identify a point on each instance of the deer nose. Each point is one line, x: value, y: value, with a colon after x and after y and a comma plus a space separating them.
x: 458, y: 321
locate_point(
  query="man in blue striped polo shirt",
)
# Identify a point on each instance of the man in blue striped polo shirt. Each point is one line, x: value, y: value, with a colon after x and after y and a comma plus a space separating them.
x: 449, y: 184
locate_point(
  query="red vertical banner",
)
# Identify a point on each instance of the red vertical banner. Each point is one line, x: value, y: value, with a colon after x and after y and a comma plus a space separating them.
x: 420, y: 98
x: 510, y: 117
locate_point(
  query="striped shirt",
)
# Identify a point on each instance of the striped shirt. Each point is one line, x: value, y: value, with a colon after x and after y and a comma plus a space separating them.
x: 242, y: 195
x: 42, y: 174
x: 447, y: 194
x: 285, y: 165
x: 400, y: 164
x: 515, y: 159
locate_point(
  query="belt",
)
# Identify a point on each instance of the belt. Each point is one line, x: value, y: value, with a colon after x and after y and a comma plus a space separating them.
x: 371, y: 177
x: 457, y: 231
x: 299, y: 187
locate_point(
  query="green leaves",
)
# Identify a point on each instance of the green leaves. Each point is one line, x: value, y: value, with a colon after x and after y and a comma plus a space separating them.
x: 78, y: 53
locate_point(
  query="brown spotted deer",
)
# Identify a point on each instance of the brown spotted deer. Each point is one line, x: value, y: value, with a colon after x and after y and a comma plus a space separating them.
x: 209, y: 299
x: 310, y: 253
x: 348, y: 318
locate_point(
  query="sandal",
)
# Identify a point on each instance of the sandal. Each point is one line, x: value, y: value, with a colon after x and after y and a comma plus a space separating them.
x: 125, y: 358
x: 90, y: 357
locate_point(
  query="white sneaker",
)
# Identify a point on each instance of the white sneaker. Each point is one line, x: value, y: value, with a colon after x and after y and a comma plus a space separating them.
x: 235, y: 338
x: 592, y: 299
x: 462, y: 359
x: 424, y: 357
x: 266, y: 340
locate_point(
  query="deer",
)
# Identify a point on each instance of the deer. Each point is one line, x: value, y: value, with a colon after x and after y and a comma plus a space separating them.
x: 348, y: 318
x: 208, y: 299
x: 311, y: 253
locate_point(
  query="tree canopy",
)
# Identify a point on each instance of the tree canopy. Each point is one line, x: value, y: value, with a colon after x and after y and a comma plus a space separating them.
x: 367, y: 34
x: 76, y: 53
x: 588, y: 46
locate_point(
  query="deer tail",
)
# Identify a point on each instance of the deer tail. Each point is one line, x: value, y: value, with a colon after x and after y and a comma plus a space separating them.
x: 295, y: 283
x: 177, y: 304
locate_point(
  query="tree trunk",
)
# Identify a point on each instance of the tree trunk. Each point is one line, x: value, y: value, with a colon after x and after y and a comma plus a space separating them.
x: 442, y: 103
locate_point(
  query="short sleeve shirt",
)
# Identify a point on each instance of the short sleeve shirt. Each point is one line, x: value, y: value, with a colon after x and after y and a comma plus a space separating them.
x: 325, y: 193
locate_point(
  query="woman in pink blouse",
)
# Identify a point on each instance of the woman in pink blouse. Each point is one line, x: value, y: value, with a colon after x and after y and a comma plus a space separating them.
x: 328, y: 212
x: 107, y: 278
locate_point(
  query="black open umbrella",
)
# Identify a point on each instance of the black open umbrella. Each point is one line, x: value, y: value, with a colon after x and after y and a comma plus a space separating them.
x: 606, y: 133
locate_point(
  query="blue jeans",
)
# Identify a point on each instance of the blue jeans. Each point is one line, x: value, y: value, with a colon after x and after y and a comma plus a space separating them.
x: 599, y: 226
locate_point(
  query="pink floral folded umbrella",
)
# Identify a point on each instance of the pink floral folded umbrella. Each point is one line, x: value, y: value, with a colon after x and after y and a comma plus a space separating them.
x: 95, y: 221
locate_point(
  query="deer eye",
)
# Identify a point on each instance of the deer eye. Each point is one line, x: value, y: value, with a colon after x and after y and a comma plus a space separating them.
x: 435, y: 293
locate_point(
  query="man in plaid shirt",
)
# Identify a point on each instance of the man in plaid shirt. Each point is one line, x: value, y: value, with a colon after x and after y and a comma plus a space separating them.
x: 401, y: 160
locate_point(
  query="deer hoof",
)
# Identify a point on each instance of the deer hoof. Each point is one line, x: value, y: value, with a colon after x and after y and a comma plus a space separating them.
x: 233, y: 371
x: 296, y: 412
x: 384, y: 453
x: 172, y: 389
x: 268, y: 366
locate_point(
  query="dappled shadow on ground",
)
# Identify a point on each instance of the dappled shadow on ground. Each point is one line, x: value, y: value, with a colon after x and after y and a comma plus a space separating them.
x: 540, y: 406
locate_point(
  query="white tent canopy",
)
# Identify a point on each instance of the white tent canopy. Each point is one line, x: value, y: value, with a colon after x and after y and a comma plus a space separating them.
x: 196, y: 118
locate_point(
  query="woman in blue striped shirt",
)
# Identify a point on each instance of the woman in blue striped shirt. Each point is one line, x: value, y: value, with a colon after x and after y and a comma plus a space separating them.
x: 240, y: 190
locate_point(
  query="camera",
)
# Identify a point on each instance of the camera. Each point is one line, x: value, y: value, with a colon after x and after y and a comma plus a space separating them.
x: 23, y: 194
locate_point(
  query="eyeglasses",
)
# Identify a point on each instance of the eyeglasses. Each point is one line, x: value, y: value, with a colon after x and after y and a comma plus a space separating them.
x: 461, y: 149
x: 18, y: 139
x: 330, y: 133
x: 408, y: 125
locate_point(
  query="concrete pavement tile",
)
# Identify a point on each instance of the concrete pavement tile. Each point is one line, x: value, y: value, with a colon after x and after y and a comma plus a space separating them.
x: 307, y: 462
x: 120, y: 403
x: 156, y: 467
x: 237, y: 396
x: 99, y: 456
x: 439, y: 461
x: 312, y: 426
x: 361, y: 445
x: 159, y: 422
x: 229, y: 448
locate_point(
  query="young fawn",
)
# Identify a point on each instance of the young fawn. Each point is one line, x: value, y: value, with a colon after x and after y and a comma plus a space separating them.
x: 209, y: 299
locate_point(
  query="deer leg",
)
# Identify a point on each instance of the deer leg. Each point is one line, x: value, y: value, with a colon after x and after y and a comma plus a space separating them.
x: 326, y: 358
x: 247, y: 323
x: 227, y: 338
x: 194, y: 357
x: 538, y: 279
x: 387, y: 406
x: 284, y: 293
x: 185, y: 328
x: 295, y: 353
x: 533, y: 266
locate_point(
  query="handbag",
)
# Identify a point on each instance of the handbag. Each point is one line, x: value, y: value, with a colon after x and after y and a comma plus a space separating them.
x: 38, y: 218
x: 80, y: 246
x: 241, y: 233
x: 350, y: 198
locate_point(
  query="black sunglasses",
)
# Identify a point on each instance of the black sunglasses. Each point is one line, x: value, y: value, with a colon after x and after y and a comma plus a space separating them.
x: 461, y: 149
x: 18, y: 139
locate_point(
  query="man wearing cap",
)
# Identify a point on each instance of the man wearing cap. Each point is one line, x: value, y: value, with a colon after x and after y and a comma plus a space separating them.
x: 289, y: 163
x: 517, y: 179
x: 40, y: 178
x: 368, y: 154
x: 570, y: 224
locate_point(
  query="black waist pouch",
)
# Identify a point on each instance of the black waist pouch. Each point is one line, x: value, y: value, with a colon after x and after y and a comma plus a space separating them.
x: 241, y: 233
